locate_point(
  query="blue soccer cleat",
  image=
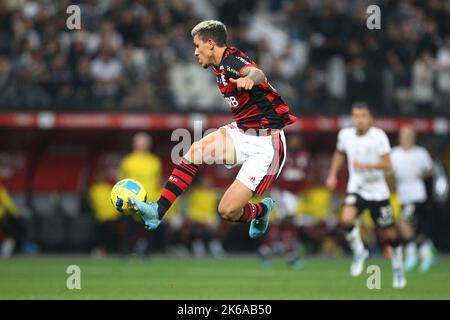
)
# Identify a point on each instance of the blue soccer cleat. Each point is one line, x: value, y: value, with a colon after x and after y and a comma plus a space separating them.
x: 411, y: 263
x: 296, y: 264
x: 147, y: 211
x: 259, y: 225
x: 399, y: 281
x: 427, y: 263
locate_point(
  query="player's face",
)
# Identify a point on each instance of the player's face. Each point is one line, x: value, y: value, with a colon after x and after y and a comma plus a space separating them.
x: 407, y: 137
x: 362, y: 119
x: 203, y: 51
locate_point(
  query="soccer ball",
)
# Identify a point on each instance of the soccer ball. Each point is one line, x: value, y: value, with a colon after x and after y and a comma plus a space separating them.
x: 124, y: 189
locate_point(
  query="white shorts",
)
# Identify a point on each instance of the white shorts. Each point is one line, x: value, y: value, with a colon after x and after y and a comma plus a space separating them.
x: 262, y: 157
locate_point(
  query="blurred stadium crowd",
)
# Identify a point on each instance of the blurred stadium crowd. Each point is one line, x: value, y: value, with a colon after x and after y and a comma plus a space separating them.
x: 138, y: 54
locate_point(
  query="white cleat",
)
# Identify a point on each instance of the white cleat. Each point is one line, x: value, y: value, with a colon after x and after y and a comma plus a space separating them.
x: 358, y: 263
x: 399, y: 280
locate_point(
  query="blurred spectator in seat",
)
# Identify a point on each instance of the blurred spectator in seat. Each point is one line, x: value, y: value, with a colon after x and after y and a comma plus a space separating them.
x: 30, y: 73
x: 106, y: 216
x: 315, y: 34
x: 138, y: 93
x: 6, y: 28
x: 83, y: 82
x: 6, y: 89
x: 107, y: 38
x: 59, y: 79
x: 358, y: 85
x: 430, y: 39
x: 107, y: 72
x: 128, y: 26
x: 291, y: 61
x: 402, y: 40
x: 443, y: 69
x: 422, y: 82
x: 77, y: 50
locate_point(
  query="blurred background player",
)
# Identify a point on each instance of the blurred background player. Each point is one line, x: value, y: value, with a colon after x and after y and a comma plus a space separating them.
x: 105, y: 215
x: 144, y: 166
x: 412, y: 164
x: 14, y: 237
x: 12, y: 232
x: 368, y: 156
x: 282, y: 237
x: 254, y: 140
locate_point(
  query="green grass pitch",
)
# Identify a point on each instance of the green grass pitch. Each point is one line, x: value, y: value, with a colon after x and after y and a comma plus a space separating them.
x: 231, y: 278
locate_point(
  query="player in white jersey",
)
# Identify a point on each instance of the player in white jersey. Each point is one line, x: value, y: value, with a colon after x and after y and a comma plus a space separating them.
x: 367, y: 149
x: 411, y: 164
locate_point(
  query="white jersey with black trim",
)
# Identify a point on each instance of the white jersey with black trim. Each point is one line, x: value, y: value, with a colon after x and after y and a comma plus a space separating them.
x: 409, y: 167
x: 368, y: 148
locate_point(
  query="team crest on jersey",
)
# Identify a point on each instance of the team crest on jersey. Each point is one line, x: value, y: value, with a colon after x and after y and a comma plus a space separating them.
x: 221, y: 79
x: 252, y: 179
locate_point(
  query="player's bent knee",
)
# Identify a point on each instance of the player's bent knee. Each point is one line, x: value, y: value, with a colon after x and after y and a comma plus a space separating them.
x: 347, y: 222
x: 348, y: 217
x: 194, y: 153
x: 390, y: 233
x: 228, y: 213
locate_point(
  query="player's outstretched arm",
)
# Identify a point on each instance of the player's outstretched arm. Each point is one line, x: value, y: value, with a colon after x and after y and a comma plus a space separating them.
x: 336, y: 163
x: 251, y: 76
x: 255, y: 74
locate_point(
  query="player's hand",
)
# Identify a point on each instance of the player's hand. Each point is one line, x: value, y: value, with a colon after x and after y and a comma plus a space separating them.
x: 331, y: 182
x: 243, y: 83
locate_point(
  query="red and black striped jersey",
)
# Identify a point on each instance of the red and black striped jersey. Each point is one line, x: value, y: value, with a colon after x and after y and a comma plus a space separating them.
x: 258, y: 108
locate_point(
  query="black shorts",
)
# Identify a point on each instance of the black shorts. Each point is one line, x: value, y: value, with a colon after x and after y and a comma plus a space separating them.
x: 380, y: 211
x: 416, y: 213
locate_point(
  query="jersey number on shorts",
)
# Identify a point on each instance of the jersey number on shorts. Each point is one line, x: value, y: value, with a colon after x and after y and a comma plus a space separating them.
x: 386, y: 216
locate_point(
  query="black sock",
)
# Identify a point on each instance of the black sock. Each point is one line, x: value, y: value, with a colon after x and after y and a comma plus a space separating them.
x: 180, y: 179
x: 395, y: 243
x: 349, y: 228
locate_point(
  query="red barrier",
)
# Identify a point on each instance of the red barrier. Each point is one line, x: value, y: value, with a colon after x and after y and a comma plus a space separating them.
x: 149, y: 121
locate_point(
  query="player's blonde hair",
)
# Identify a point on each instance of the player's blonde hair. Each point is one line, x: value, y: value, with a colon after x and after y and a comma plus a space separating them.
x: 211, y: 29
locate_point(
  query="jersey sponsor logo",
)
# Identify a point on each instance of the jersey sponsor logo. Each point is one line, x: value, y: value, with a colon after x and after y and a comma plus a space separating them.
x: 173, y: 179
x: 231, y: 70
x: 220, y: 78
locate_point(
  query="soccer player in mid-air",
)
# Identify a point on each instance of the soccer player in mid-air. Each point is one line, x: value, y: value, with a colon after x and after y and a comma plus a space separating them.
x: 368, y: 156
x: 412, y: 164
x: 254, y: 140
